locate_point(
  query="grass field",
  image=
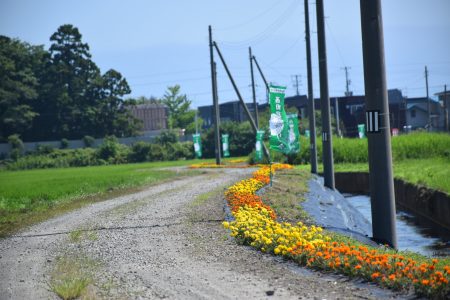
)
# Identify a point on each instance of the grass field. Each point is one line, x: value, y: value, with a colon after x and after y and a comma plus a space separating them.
x: 431, y: 172
x: 30, y: 196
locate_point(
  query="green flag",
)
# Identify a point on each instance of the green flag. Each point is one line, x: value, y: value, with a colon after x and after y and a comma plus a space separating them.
x: 259, y: 145
x: 197, y: 145
x: 361, y: 131
x: 293, y: 144
x: 225, y: 145
x: 278, y: 121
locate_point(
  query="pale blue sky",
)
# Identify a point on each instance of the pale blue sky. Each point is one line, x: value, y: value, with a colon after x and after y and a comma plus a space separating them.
x: 158, y: 43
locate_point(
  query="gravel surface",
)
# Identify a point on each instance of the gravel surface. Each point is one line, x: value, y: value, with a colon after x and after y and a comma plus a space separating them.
x: 164, y: 242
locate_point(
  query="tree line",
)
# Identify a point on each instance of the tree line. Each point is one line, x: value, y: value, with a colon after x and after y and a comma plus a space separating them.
x: 60, y: 92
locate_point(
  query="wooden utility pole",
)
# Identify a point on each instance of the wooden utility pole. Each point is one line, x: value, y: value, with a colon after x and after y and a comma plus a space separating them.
x: 311, y: 113
x: 253, y: 87
x: 241, y: 100
x: 381, y: 180
x: 327, y: 140
x: 216, y: 112
x: 428, y: 99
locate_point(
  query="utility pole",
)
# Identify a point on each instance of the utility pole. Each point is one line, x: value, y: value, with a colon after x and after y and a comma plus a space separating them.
x: 336, y: 112
x: 347, y: 82
x: 253, y: 87
x: 327, y: 141
x: 216, y: 112
x: 196, y: 122
x: 263, y: 78
x: 312, y: 117
x: 241, y: 100
x: 377, y: 121
x: 296, y: 83
x: 428, y: 99
x: 445, y: 109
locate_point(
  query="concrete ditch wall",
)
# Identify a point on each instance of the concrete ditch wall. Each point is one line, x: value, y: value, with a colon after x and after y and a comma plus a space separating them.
x: 429, y: 204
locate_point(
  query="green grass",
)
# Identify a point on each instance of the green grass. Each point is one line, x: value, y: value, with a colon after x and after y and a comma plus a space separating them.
x: 30, y: 196
x: 430, y: 172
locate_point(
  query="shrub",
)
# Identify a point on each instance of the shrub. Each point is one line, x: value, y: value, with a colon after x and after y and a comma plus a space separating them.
x: 108, y: 149
x: 64, y: 144
x: 44, y: 149
x: 88, y: 141
x: 16, y: 146
x: 139, y: 152
x: 167, y: 137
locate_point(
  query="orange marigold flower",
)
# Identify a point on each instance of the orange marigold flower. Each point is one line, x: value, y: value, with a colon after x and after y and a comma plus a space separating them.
x: 357, y: 267
x: 375, y: 275
x: 425, y: 282
x: 392, y: 277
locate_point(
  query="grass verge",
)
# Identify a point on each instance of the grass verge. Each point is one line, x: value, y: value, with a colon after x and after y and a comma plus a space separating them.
x: 430, y: 172
x: 31, y: 196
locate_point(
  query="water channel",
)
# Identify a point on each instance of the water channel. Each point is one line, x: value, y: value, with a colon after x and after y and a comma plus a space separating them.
x: 410, y: 234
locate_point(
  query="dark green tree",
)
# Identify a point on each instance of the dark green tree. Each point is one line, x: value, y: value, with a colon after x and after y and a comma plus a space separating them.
x: 17, y: 86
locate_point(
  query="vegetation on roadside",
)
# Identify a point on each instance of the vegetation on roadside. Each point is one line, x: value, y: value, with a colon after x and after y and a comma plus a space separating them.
x: 30, y: 196
x: 71, y: 276
x: 256, y: 224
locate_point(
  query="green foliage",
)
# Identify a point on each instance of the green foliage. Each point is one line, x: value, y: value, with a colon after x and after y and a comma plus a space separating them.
x: 167, y: 137
x: 88, y: 141
x: 352, y: 150
x: 16, y: 146
x: 64, y: 144
x: 33, y: 195
x: 18, y: 85
x: 60, y: 93
x: 180, y: 114
x: 241, y: 139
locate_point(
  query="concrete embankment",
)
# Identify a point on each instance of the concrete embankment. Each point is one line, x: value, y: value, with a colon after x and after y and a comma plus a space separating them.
x: 428, y: 204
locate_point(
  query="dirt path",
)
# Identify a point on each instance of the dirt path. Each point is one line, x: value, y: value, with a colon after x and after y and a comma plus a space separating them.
x: 164, y: 242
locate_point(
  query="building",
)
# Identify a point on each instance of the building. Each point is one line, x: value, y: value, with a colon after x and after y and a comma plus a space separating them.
x: 444, y: 99
x: 152, y: 115
x: 229, y: 111
x: 417, y: 113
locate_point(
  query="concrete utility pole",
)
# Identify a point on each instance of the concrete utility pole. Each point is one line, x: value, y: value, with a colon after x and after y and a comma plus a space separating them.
x: 297, y: 83
x: 216, y: 112
x: 327, y: 142
x: 263, y: 78
x: 347, y: 82
x: 377, y: 121
x: 241, y: 100
x: 253, y: 86
x: 336, y: 112
x: 428, y: 99
x: 445, y: 108
x: 312, y: 117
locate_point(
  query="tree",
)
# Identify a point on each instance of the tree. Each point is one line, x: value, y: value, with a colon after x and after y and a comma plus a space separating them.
x: 17, y: 86
x: 113, y: 113
x: 178, y: 105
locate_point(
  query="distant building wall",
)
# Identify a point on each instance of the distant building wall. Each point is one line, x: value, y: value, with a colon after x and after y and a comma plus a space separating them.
x: 152, y: 115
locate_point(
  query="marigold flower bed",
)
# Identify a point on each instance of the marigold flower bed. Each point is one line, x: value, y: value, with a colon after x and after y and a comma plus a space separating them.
x: 255, y: 224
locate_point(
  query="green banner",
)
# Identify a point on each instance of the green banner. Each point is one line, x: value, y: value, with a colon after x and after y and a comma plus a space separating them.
x: 307, y: 134
x: 259, y: 145
x: 197, y: 145
x: 293, y: 141
x: 278, y: 121
x: 361, y: 131
x: 225, y: 145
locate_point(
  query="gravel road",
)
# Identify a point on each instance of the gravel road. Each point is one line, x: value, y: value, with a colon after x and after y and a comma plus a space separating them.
x: 163, y: 242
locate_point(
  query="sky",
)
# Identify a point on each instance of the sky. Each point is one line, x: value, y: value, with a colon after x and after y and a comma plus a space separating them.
x: 160, y: 43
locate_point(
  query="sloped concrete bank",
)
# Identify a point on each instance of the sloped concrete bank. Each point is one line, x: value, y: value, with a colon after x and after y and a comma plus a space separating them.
x: 428, y: 205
